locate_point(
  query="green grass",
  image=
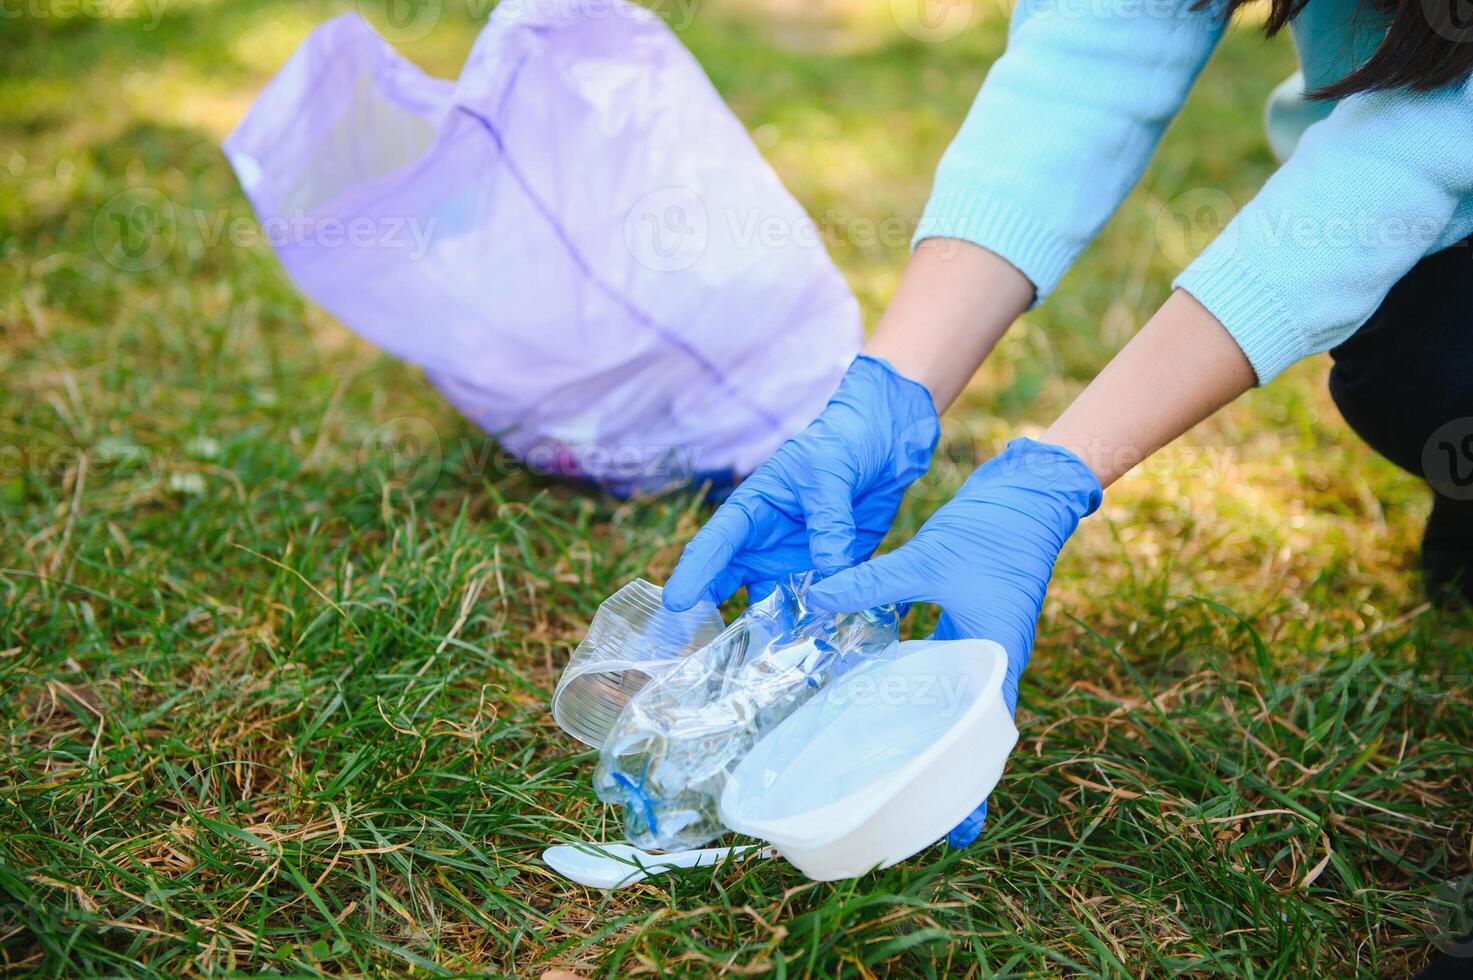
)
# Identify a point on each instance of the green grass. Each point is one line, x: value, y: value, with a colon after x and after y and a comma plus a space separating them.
x: 275, y: 697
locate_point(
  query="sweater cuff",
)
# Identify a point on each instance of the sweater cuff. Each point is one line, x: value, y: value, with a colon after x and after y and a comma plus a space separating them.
x: 1250, y: 308
x: 1035, y: 250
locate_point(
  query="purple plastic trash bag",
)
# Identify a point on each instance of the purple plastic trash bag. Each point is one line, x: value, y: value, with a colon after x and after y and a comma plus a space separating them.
x: 576, y: 240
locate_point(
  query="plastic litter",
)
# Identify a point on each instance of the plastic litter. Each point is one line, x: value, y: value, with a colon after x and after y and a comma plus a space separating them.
x: 821, y: 735
x: 575, y: 240
x: 632, y: 638
x: 881, y: 763
x: 619, y: 865
x: 666, y: 758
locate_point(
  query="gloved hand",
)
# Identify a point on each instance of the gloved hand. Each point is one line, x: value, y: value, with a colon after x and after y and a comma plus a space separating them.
x: 985, y: 558
x: 825, y: 498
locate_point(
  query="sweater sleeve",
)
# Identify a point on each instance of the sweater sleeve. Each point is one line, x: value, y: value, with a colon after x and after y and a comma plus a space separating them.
x: 1064, y: 126
x: 1385, y: 179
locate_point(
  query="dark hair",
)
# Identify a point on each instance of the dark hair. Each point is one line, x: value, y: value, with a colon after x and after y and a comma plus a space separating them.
x: 1428, y: 43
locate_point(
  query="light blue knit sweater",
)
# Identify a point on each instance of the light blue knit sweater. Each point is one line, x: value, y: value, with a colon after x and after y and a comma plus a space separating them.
x: 1069, y: 115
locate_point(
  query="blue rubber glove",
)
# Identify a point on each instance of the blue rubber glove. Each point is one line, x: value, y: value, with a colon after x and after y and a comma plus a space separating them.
x: 985, y: 558
x: 825, y: 498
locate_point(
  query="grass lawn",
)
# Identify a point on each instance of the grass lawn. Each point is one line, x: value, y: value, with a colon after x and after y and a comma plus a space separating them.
x: 274, y: 696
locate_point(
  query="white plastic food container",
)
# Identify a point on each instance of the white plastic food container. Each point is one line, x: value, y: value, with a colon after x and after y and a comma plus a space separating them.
x: 880, y: 764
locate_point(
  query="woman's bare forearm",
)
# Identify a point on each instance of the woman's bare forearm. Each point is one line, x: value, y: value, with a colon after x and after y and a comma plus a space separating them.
x: 953, y: 304
x: 1181, y: 367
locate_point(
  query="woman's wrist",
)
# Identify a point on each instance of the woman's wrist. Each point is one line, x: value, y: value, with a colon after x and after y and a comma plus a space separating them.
x: 1181, y: 367
x: 953, y: 304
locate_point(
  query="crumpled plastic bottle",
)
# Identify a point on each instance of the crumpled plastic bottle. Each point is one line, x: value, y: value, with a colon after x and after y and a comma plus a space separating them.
x: 667, y: 756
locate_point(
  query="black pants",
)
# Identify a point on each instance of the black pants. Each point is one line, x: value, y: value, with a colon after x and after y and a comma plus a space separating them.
x: 1404, y: 381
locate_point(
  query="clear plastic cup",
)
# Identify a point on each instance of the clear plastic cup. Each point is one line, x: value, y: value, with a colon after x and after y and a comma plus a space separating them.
x: 632, y: 639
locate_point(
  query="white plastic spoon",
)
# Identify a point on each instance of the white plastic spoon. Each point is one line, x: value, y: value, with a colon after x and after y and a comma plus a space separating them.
x: 618, y: 865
